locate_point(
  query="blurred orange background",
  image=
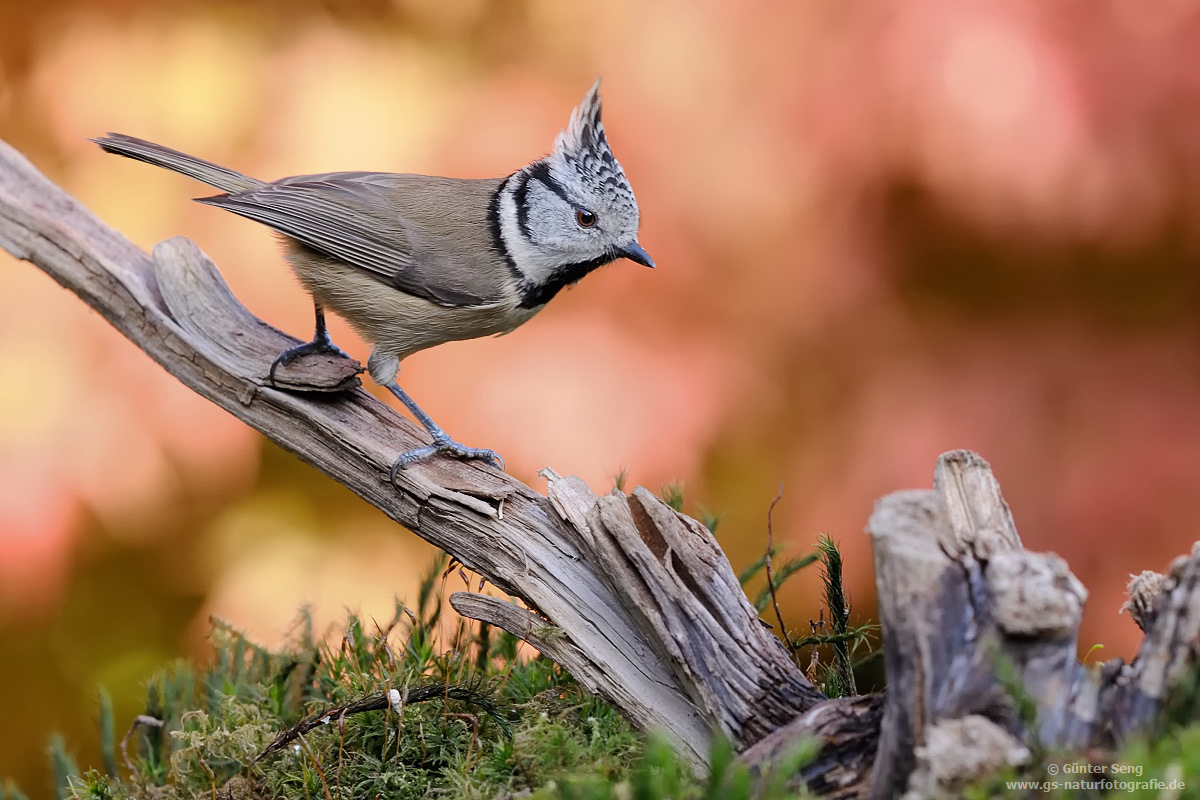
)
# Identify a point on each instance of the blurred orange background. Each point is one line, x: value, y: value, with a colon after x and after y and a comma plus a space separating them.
x: 883, y: 231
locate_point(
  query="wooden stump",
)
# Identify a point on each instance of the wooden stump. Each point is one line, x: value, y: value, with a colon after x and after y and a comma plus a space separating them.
x: 980, y: 642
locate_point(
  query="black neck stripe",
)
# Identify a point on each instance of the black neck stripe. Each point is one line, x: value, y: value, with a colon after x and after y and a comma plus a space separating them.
x: 534, y: 295
x: 493, y: 216
x: 520, y: 198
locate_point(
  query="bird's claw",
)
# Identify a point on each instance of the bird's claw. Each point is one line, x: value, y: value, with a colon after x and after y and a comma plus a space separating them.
x: 444, y: 444
x: 291, y: 354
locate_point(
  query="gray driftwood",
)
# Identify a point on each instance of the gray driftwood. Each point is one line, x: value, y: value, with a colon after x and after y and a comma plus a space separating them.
x: 975, y: 627
x: 980, y: 644
x: 637, y: 600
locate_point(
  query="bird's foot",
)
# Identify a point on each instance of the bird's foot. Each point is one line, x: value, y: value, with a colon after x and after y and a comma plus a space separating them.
x: 318, y: 345
x: 444, y: 444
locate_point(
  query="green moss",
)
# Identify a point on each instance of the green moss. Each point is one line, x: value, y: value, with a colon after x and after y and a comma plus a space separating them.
x: 502, y: 721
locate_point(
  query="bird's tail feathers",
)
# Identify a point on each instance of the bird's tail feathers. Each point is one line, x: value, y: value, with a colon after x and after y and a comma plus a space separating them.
x: 140, y: 150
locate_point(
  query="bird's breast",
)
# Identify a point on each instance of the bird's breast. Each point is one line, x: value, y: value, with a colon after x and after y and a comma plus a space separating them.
x: 401, y: 323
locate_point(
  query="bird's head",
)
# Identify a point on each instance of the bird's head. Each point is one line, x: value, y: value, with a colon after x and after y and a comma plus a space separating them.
x: 574, y: 210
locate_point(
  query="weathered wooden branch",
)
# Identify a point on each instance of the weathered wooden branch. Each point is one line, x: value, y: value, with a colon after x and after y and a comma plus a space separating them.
x: 635, y: 599
x: 638, y: 601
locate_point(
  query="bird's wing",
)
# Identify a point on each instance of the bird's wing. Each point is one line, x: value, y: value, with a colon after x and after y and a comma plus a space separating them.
x: 354, y: 217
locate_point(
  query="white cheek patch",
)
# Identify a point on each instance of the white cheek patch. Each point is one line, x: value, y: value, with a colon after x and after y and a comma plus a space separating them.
x: 531, y: 262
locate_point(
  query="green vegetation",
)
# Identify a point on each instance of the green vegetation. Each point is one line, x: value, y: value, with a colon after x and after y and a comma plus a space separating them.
x: 475, y: 715
x: 830, y: 646
x: 501, y: 721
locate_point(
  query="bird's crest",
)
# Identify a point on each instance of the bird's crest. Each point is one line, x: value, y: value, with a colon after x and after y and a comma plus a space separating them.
x: 584, y: 138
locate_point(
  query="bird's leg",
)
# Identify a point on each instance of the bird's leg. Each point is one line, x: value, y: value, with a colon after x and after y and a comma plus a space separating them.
x: 321, y: 343
x: 442, y: 443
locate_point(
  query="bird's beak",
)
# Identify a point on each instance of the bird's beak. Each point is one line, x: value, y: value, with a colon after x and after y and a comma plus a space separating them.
x: 634, y: 252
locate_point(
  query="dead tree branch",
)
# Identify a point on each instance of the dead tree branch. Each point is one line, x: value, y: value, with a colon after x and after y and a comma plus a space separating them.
x: 636, y: 600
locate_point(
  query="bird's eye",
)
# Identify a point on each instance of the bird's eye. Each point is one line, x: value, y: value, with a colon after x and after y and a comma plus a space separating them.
x: 585, y: 218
